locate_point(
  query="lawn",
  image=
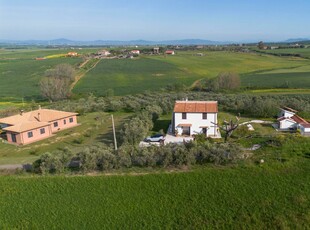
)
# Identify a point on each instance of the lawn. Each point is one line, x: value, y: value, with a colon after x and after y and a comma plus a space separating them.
x: 206, y: 197
x: 91, y: 131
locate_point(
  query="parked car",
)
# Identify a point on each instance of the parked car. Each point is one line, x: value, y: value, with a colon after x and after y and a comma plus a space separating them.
x: 155, y: 138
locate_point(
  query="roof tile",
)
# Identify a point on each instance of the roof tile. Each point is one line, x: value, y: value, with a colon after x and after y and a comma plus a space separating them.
x: 195, y: 107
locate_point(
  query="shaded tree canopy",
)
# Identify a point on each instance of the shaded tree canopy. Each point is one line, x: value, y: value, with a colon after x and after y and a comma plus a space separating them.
x: 226, y: 81
x: 56, y: 83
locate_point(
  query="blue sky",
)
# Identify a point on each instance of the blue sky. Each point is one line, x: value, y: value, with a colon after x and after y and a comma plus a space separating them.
x: 223, y: 20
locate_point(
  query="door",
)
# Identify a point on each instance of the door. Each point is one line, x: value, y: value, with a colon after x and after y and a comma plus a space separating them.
x: 186, y: 131
x: 13, y: 137
x: 204, y: 131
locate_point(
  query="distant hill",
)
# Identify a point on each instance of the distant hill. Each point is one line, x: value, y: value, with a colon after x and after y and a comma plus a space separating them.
x: 296, y: 40
x: 67, y: 42
x: 63, y: 41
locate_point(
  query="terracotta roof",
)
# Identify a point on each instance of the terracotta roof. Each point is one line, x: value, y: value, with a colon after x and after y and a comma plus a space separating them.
x: 40, y: 115
x: 34, y: 119
x: 289, y: 109
x: 305, y: 125
x: 195, y: 107
x: 299, y: 119
x: 25, y: 126
x: 169, y: 52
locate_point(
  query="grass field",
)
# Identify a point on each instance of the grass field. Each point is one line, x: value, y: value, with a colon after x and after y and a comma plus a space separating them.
x: 251, y: 197
x: 20, y: 78
x: 275, y: 80
x: 278, y: 91
x: 20, y: 72
x: 303, y: 52
x: 128, y: 76
x: 32, y: 53
x: 90, y: 132
x: 155, y: 72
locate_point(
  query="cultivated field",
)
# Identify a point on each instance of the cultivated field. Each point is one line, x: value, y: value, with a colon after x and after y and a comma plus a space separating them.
x: 250, y: 197
x: 303, y: 52
x: 155, y: 72
x: 20, y: 73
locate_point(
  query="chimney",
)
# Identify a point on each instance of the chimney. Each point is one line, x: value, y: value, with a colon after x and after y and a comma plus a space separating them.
x: 39, y: 107
x: 21, y: 112
x: 186, y: 99
x: 39, y: 117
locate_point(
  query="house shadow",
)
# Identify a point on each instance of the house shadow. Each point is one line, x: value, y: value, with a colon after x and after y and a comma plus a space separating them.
x: 108, y: 138
x: 161, y: 125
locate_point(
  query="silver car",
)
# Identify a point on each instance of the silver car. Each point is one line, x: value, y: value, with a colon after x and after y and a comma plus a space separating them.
x: 155, y: 138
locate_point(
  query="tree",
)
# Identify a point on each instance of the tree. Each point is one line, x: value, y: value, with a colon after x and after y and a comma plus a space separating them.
x: 229, y: 127
x: 226, y: 81
x: 261, y: 45
x: 56, y: 83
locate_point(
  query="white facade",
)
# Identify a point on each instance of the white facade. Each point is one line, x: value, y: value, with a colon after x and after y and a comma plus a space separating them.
x: 287, y: 124
x: 305, y: 129
x: 195, y: 124
x: 286, y: 113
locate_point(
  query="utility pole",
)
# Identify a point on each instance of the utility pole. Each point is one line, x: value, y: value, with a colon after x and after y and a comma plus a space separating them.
x: 115, y: 144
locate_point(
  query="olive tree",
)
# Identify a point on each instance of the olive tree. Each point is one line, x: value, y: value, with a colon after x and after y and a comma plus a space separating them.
x: 56, y: 83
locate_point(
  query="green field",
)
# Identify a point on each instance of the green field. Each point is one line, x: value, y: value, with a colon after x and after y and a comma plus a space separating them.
x: 154, y: 72
x: 203, y: 198
x: 20, y: 73
x: 128, y: 76
x: 303, y: 52
x: 20, y: 78
x: 277, y: 80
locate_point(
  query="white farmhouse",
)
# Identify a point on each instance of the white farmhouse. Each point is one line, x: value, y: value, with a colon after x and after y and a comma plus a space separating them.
x: 194, y: 117
x: 288, y: 119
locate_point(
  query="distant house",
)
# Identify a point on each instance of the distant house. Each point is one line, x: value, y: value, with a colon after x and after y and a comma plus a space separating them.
x: 170, y: 52
x: 194, y: 117
x: 36, y: 125
x: 40, y: 58
x: 289, y: 120
x: 156, y: 50
x: 135, y: 52
x: 72, y: 54
x: 102, y: 53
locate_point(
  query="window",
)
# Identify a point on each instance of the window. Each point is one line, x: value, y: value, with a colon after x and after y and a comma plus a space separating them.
x: 65, y: 122
x: 42, y: 131
x: 30, y: 134
x: 56, y: 124
x: 183, y: 116
x: 13, y: 137
x: 71, y: 119
x: 204, y: 116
